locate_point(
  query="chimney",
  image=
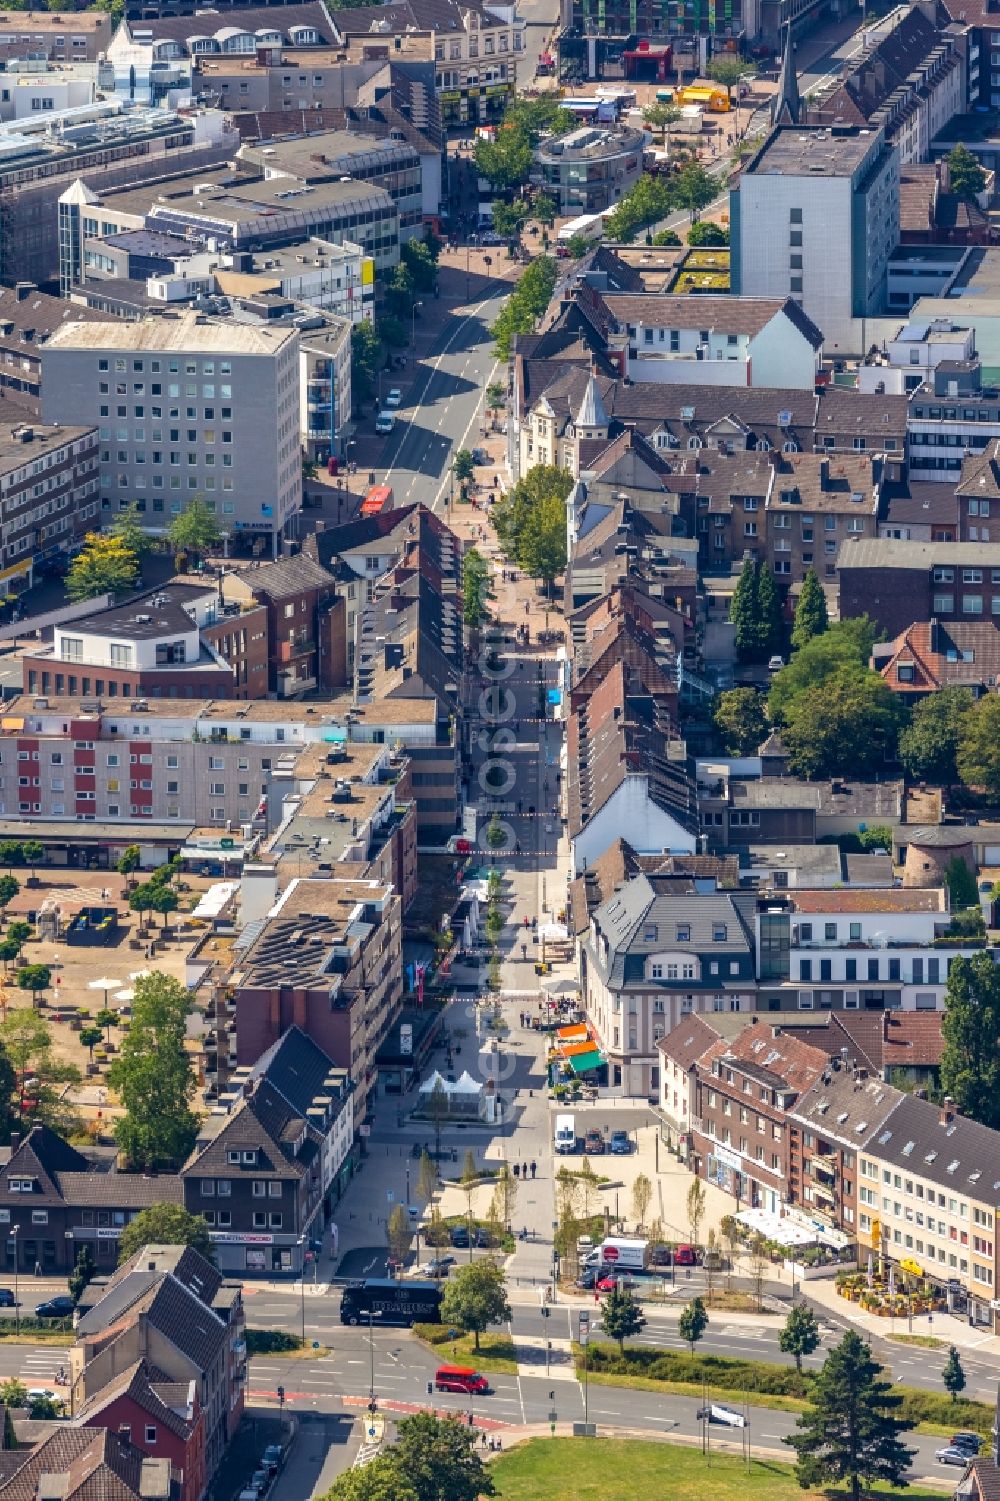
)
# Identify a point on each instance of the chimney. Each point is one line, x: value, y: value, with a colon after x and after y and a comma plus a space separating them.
x: 15, y: 1141
x: 947, y: 1111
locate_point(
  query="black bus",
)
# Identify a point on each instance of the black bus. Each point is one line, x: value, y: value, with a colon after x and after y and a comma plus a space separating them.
x: 391, y: 1302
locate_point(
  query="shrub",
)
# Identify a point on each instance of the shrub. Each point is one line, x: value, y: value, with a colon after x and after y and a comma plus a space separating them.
x: 271, y: 1341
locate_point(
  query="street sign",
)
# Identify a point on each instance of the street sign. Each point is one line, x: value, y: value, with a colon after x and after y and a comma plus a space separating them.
x: 584, y: 1327
x: 389, y: 1195
x: 610, y: 1253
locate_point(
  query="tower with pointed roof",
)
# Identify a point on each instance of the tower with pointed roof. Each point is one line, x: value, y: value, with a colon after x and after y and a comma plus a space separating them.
x: 72, y: 203
x: 787, y: 105
x: 591, y: 420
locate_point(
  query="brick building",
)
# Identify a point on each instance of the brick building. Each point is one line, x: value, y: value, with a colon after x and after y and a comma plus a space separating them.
x: 161, y: 1418
x: 178, y: 641
x: 897, y: 583
x: 327, y: 960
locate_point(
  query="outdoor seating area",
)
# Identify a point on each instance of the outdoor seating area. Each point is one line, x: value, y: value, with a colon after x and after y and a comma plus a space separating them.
x: 92, y: 925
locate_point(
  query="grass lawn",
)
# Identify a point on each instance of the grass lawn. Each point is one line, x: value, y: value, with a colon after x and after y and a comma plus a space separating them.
x: 577, y: 1469
x: 495, y: 1353
x: 925, y: 1341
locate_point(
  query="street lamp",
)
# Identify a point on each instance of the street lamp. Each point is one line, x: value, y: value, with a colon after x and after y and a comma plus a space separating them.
x: 371, y: 1345
x: 413, y: 321
x: 302, y: 1284
x: 17, y: 1305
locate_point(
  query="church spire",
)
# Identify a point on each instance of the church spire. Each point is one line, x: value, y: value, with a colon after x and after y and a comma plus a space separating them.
x: 787, y: 105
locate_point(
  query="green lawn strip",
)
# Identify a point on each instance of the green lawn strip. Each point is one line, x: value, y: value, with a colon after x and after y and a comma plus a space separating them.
x: 925, y: 1341
x: 53, y: 1337
x: 647, y: 1368
x: 565, y: 1469
x: 495, y: 1353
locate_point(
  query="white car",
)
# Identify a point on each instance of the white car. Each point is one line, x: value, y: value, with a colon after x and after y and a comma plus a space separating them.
x: 385, y: 422
x: 394, y: 398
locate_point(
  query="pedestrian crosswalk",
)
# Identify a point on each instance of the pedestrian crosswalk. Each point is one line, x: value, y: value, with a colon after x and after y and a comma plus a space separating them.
x: 40, y: 1367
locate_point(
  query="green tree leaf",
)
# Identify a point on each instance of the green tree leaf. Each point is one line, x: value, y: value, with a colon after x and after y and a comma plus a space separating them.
x: 165, y: 1225
x: 154, y: 1078
x: 476, y: 1297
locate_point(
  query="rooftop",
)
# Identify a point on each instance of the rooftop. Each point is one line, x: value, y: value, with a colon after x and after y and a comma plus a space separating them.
x: 877, y: 899
x: 23, y: 443
x: 590, y: 143
x: 192, y: 333
x: 805, y: 151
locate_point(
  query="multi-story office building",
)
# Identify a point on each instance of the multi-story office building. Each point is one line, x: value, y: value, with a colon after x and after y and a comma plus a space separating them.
x: 897, y: 583
x: 186, y: 407
x: 49, y: 496
x: 592, y: 168
x: 815, y: 216
x: 43, y: 156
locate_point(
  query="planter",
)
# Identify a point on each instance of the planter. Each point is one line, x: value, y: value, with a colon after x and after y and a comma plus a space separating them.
x: 812, y: 1273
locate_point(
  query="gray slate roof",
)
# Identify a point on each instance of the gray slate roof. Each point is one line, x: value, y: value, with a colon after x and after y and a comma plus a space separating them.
x: 959, y: 1153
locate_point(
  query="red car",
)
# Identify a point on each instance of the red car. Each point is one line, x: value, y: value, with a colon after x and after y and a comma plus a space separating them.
x: 686, y: 1256
x: 611, y: 1280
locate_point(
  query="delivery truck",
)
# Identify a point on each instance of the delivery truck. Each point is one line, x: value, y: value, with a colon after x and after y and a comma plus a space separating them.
x: 565, y: 1133
x: 616, y: 1254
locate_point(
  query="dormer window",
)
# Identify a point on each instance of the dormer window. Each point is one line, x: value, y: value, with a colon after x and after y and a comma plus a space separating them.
x: 21, y: 1185
x: 250, y: 1157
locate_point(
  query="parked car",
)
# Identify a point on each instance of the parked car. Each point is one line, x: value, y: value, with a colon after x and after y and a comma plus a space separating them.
x: 686, y: 1256
x: 272, y: 1458
x: 394, y: 398
x: 594, y: 1144
x: 660, y: 1256
x: 483, y: 1237
x: 610, y: 1280
x: 480, y: 456
x: 951, y: 1455
x: 42, y: 1394
x: 971, y: 1441
x: 460, y: 1237
x: 621, y: 1144
x: 775, y: 663
x: 439, y: 1266
x: 587, y: 1278
x: 384, y: 422
x: 7, y: 1299
x: 260, y: 1481
x: 56, y: 1308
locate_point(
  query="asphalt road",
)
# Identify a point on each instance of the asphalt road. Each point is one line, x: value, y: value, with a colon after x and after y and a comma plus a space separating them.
x: 397, y: 1370
x: 444, y: 408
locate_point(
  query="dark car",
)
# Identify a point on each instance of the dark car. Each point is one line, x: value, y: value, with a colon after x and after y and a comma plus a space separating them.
x: 483, y: 1238
x: 460, y: 1237
x: 587, y: 1277
x: 965, y: 1440
x: 272, y: 1458
x: 56, y: 1308
x: 621, y: 1146
x: 7, y: 1299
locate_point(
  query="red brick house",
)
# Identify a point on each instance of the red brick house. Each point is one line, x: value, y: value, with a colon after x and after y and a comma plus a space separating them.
x: 160, y: 1417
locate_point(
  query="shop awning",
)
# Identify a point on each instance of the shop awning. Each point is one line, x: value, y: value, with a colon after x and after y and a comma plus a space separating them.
x: 582, y: 1063
x: 911, y: 1266
x: 577, y: 1033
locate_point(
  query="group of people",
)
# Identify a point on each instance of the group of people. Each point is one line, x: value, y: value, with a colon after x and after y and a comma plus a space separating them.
x: 519, y: 1170
x: 493, y: 1442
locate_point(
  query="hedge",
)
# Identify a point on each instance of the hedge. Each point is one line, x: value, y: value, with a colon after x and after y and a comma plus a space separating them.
x: 271, y: 1341
x: 725, y: 1373
x: 29, y: 1324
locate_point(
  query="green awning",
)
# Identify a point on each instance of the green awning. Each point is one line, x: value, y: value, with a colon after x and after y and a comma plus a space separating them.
x: 582, y: 1063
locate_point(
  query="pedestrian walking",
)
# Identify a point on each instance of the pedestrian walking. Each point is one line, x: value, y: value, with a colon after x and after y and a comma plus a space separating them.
x: 517, y: 1170
x: 534, y: 1167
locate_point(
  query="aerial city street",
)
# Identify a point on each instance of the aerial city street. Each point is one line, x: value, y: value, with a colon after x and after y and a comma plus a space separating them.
x: 500, y: 750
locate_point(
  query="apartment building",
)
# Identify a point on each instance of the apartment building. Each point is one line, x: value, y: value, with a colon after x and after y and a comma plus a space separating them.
x: 49, y: 496
x: 186, y: 407
x: 856, y: 950
x: 897, y: 583
x: 475, y: 47
x: 29, y: 87
x: 816, y: 504
x: 81, y: 36
x: 162, y: 1419
x: 267, y: 1167
x: 210, y: 764
x: 658, y: 950
x: 327, y: 960
x: 953, y: 414
x: 179, y: 641
x: 169, y: 1306
x: 704, y: 340
x: 815, y: 215
x: 929, y: 1196
x: 740, y: 1130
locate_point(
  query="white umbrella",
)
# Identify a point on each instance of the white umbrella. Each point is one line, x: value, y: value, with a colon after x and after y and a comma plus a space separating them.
x: 140, y: 974
x: 125, y: 995
x: 561, y: 987
x: 554, y: 932
x: 104, y: 984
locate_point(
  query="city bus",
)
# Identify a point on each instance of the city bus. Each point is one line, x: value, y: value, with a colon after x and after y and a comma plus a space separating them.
x: 386, y: 1301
